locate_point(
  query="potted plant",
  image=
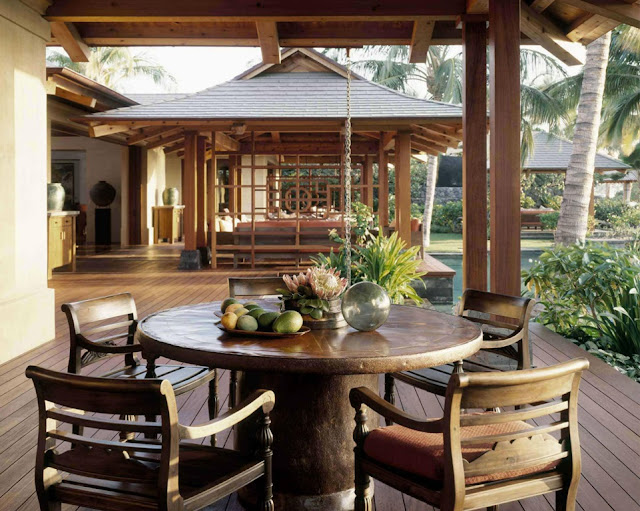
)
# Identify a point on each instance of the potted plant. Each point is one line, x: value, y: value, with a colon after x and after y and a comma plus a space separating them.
x: 316, y: 295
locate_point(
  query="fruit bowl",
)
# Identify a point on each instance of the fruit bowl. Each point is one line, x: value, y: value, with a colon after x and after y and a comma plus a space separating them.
x: 258, y: 333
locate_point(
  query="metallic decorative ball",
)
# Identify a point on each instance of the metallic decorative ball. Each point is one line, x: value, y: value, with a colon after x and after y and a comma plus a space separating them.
x: 366, y: 306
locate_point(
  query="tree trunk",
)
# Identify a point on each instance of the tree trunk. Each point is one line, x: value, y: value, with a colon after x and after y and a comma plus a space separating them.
x: 574, y: 212
x: 429, y: 196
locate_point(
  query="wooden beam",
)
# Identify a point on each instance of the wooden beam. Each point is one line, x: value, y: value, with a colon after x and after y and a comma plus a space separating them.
x: 504, y: 16
x: 383, y: 185
x: 365, y: 147
x: 544, y: 32
x: 477, y: 6
x: 403, y: 186
x: 189, y: 190
x: 474, y: 157
x: 67, y: 36
x: 388, y: 140
x: 424, y: 144
x: 590, y: 27
x: 269, y: 41
x: 144, y: 134
x: 225, y: 142
x: 619, y: 11
x: 420, y: 41
x: 541, y: 5
x: 201, y: 190
x: 367, y: 181
x: 212, y: 202
x: 100, y: 130
x: 74, y: 98
x: 165, y: 140
x: 430, y: 136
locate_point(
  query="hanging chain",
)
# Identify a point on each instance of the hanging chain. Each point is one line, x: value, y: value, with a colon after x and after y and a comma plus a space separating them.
x: 347, y: 174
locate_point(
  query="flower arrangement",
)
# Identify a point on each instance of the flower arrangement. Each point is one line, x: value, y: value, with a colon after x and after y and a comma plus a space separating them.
x: 312, y: 291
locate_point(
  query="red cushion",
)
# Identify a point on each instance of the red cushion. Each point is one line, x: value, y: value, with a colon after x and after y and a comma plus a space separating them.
x: 423, y: 453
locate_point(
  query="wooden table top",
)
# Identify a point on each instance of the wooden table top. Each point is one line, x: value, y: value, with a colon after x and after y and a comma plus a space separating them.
x: 412, y: 338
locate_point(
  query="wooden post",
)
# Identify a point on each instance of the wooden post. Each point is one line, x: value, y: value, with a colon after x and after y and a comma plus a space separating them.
x: 189, y: 190
x: 474, y: 157
x: 367, y: 181
x: 403, y: 186
x: 504, y: 71
x: 383, y: 185
x: 201, y: 190
x: 213, y: 201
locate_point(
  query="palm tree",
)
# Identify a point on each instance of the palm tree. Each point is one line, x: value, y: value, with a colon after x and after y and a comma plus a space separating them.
x: 574, y: 211
x: 110, y: 66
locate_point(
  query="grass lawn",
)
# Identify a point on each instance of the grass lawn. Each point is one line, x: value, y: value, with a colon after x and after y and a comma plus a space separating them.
x: 450, y: 242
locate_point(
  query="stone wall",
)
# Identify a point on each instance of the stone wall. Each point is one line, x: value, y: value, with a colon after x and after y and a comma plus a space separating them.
x: 448, y: 194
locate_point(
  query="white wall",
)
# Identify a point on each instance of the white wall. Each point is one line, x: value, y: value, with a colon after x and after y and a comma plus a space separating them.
x: 153, y: 175
x: 173, y: 169
x: 103, y: 162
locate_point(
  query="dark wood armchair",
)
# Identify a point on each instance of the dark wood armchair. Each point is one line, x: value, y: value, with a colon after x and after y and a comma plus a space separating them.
x: 249, y: 287
x: 472, y: 461
x: 140, y: 474
x: 105, y: 327
x: 505, y: 325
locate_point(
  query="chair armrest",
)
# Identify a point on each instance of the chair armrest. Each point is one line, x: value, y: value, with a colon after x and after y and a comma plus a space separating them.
x: 260, y: 399
x: 103, y: 346
x: 363, y: 395
x: 503, y: 343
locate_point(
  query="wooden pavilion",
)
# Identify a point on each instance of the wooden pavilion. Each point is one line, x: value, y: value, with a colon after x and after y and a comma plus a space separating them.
x: 263, y: 154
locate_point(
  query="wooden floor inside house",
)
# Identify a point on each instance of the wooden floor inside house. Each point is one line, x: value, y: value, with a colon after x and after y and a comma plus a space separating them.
x: 609, y: 401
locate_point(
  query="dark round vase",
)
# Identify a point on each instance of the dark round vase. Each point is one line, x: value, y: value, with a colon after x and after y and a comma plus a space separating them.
x: 170, y: 196
x: 102, y: 194
x: 55, y: 197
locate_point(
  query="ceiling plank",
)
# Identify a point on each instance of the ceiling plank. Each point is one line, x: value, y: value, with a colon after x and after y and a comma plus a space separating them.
x: 101, y: 130
x: 544, y: 32
x: 269, y: 41
x: 541, y: 5
x: 621, y: 12
x: 144, y: 134
x: 420, y: 41
x: 589, y: 27
x: 68, y: 37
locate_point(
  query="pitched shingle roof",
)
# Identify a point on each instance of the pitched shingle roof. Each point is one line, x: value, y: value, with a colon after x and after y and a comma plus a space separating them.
x: 295, y: 95
x: 148, y: 98
x: 551, y: 152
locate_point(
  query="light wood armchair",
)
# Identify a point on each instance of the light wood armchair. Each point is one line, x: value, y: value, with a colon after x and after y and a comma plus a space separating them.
x: 140, y: 474
x: 505, y: 324
x: 472, y: 461
x: 249, y: 287
x: 105, y: 327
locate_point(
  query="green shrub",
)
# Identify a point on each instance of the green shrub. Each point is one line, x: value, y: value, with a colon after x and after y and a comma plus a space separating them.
x: 527, y: 202
x: 549, y: 221
x: 448, y: 217
x: 626, y: 224
x: 606, y: 209
x: 554, y: 202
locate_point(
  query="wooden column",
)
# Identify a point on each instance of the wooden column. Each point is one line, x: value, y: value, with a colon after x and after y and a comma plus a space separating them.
x: 474, y: 157
x: 213, y: 200
x: 201, y: 191
x: 367, y: 181
x: 504, y: 70
x: 189, y: 190
x: 383, y: 184
x: 403, y: 186
x: 232, y: 183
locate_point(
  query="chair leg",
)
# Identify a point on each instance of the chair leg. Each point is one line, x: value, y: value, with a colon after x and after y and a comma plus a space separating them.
x: 566, y: 499
x: 492, y: 508
x: 389, y: 393
x: 124, y: 435
x: 213, y: 403
x: 364, y: 493
x: 265, y: 440
x: 233, y: 388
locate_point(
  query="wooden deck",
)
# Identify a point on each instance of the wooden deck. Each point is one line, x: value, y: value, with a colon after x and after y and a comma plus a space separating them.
x: 609, y: 415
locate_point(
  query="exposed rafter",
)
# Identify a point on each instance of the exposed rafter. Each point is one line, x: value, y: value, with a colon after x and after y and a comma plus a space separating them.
x: 68, y: 37
x: 144, y: 134
x: 165, y: 140
x: 541, y: 5
x: 620, y: 11
x: 269, y: 41
x: 589, y: 27
x: 226, y: 143
x: 543, y: 31
x: 100, y: 130
x: 420, y: 41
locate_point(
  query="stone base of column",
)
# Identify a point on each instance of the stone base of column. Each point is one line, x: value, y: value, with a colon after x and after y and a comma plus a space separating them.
x: 190, y: 260
x: 205, y: 256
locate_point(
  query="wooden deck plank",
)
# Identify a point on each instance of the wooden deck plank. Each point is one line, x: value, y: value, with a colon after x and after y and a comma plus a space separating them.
x: 609, y: 415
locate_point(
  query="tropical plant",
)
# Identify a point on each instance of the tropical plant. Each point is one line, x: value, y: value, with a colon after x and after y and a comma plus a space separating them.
x: 447, y: 217
x: 311, y: 291
x: 387, y: 262
x: 549, y: 221
x: 111, y: 66
x: 606, y: 209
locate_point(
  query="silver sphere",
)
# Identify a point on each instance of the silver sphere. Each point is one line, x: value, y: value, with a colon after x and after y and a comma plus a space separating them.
x: 366, y: 306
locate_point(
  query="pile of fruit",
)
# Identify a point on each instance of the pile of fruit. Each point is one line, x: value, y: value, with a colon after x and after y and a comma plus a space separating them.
x: 249, y: 316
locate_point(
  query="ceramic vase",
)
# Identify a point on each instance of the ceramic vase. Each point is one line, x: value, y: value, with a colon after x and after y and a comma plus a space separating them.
x: 170, y: 196
x: 102, y: 194
x: 330, y: 320
x: 55, y: 197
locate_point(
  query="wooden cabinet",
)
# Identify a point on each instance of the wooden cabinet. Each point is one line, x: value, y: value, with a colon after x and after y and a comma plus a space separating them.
x: 61, y: 240
x: 167, y: 223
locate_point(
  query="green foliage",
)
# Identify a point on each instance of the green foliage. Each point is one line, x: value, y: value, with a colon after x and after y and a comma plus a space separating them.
x: 554, y: 202
x: 447, y: 217
x: 627, y: 224
x: 305, y: 300
x: 606, y: 209
x: 545, y: 190
x: 526, y: 202
x: 549, y: 221
x: 386, y: 262
x: 590, y: 294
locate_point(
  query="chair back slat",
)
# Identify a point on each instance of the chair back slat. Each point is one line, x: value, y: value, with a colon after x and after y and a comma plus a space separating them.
x: 505, y: 306
x: 514, y: 415
x: 103, y: 308
x: 105, y: 328
x: 254, y: 286
x: 121, y: 425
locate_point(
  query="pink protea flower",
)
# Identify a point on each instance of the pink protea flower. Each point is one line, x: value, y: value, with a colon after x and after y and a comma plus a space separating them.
x: 326, y: 283
x: 295, y: 281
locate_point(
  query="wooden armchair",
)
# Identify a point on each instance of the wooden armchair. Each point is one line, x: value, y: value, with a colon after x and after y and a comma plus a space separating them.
x: 505, y: 324
x: 473, y: 461
x: 116, y: 316
x: 141, y: 474
x: 249, y: 287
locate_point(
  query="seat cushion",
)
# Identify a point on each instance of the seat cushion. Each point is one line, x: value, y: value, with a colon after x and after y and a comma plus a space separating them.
x: 422, y: 454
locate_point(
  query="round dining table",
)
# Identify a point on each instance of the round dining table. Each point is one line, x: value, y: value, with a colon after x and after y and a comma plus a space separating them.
x: 311, y: 375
